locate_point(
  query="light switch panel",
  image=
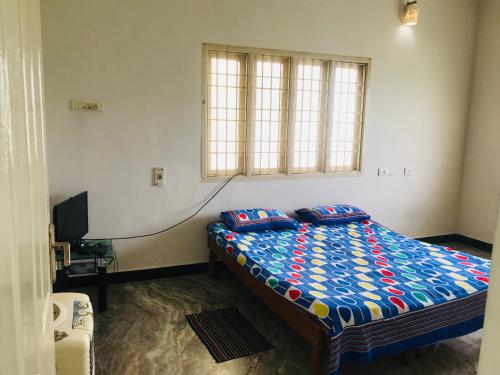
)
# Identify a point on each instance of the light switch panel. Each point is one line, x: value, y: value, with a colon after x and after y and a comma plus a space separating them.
x: 86, y: 105
x: 386, y: 172
x: 158, y: 176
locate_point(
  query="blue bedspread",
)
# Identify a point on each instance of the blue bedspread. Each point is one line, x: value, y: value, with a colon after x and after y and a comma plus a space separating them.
x: 357, y: 277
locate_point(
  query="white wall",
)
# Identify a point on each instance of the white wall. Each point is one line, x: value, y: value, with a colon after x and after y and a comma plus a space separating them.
x: 481, y: 179
x: 143, y: 59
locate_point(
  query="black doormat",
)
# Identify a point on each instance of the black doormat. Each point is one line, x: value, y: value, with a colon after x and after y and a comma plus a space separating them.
x: 227, y: 334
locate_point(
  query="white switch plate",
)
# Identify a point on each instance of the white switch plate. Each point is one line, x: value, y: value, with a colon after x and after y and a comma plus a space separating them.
x: 158, y: 176
x: 386, y: 172
x: 86, y: 105
x: 408, y: 171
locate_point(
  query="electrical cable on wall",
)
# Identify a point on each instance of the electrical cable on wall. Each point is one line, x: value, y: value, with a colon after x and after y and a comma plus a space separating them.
x: 222, y: 186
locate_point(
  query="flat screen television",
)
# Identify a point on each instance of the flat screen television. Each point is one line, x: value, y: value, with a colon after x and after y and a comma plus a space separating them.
x: 71, y: 219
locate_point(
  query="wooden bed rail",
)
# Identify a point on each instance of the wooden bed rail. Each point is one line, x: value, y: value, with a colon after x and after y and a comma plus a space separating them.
x: 302, y: 322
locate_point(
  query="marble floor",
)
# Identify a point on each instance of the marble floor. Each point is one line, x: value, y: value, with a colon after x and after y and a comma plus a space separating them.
x: 144, y: 331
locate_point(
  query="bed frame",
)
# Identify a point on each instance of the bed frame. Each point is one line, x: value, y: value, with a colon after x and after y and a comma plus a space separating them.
x: 305, y: 324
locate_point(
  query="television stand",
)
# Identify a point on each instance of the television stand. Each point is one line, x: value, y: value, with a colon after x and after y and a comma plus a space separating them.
x: 89, y: 262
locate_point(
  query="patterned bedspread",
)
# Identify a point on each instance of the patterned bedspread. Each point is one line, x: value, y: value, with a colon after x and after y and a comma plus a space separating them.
x: 377, y: 291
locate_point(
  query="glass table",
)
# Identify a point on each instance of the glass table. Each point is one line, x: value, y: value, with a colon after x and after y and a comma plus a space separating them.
x: 90, y: 263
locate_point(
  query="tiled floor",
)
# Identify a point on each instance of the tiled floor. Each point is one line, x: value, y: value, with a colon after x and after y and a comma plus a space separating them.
x: 144, y: 331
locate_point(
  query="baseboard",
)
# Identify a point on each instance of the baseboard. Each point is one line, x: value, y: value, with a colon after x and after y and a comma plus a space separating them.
x: 188, y: 269
x: 474, y: 243
x: 157, y: 273
x: 140, y: 275
x: 458, y: 238
x: 439, y: 239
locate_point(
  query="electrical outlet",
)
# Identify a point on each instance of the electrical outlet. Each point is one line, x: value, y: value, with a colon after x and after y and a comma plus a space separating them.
x: 386, y: 172
x: 408, y: 171
x: 158, y: 176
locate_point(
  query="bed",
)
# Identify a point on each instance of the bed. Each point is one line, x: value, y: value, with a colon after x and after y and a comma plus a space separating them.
x: 357, y: 291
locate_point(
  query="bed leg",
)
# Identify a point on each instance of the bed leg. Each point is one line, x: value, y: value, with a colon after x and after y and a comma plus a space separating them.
x: 410, y: 357
x: 419, y: 352
x: 212, y: 263
x: 317, y: 360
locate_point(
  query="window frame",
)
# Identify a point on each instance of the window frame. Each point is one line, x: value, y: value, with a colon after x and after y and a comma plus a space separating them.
x: 251, y: 52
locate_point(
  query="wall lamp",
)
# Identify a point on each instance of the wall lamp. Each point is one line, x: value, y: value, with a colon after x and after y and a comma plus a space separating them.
x: 410, y: 14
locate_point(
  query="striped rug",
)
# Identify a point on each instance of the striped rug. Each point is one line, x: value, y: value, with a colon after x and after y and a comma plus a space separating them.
x: 227, y: 334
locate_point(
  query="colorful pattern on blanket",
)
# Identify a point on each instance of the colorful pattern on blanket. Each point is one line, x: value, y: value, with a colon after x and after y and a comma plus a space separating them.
x: 355, y: 274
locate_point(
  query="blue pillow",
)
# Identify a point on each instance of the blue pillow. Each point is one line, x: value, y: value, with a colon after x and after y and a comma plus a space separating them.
x: 331, y: 215
x: 257, y: 219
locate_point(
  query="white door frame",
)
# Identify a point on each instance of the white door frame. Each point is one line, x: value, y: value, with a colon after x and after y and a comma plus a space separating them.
x: 488, y: 359
x: 26, y: 320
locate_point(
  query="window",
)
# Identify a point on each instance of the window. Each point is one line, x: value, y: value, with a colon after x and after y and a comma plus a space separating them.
x: 311, y: 92
x: 276, y: 112
x: 227, y: 90
x: 345, y: 141
x: 270, y: 114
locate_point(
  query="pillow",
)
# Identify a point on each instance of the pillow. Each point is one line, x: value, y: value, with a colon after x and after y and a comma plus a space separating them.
x: 330, y: 215
x: 257, y: 219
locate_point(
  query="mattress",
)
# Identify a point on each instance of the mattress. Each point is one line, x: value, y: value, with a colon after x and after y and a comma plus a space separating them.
x: 377, y: 292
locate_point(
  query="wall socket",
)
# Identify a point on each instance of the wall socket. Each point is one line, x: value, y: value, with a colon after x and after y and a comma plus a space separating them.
x: 158, y: 176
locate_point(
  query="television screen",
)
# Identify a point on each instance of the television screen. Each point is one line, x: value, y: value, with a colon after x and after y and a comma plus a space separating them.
x: 71, y: 218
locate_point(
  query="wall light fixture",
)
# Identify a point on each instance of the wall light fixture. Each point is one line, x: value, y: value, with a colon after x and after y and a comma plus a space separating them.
x: 410, y: 14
